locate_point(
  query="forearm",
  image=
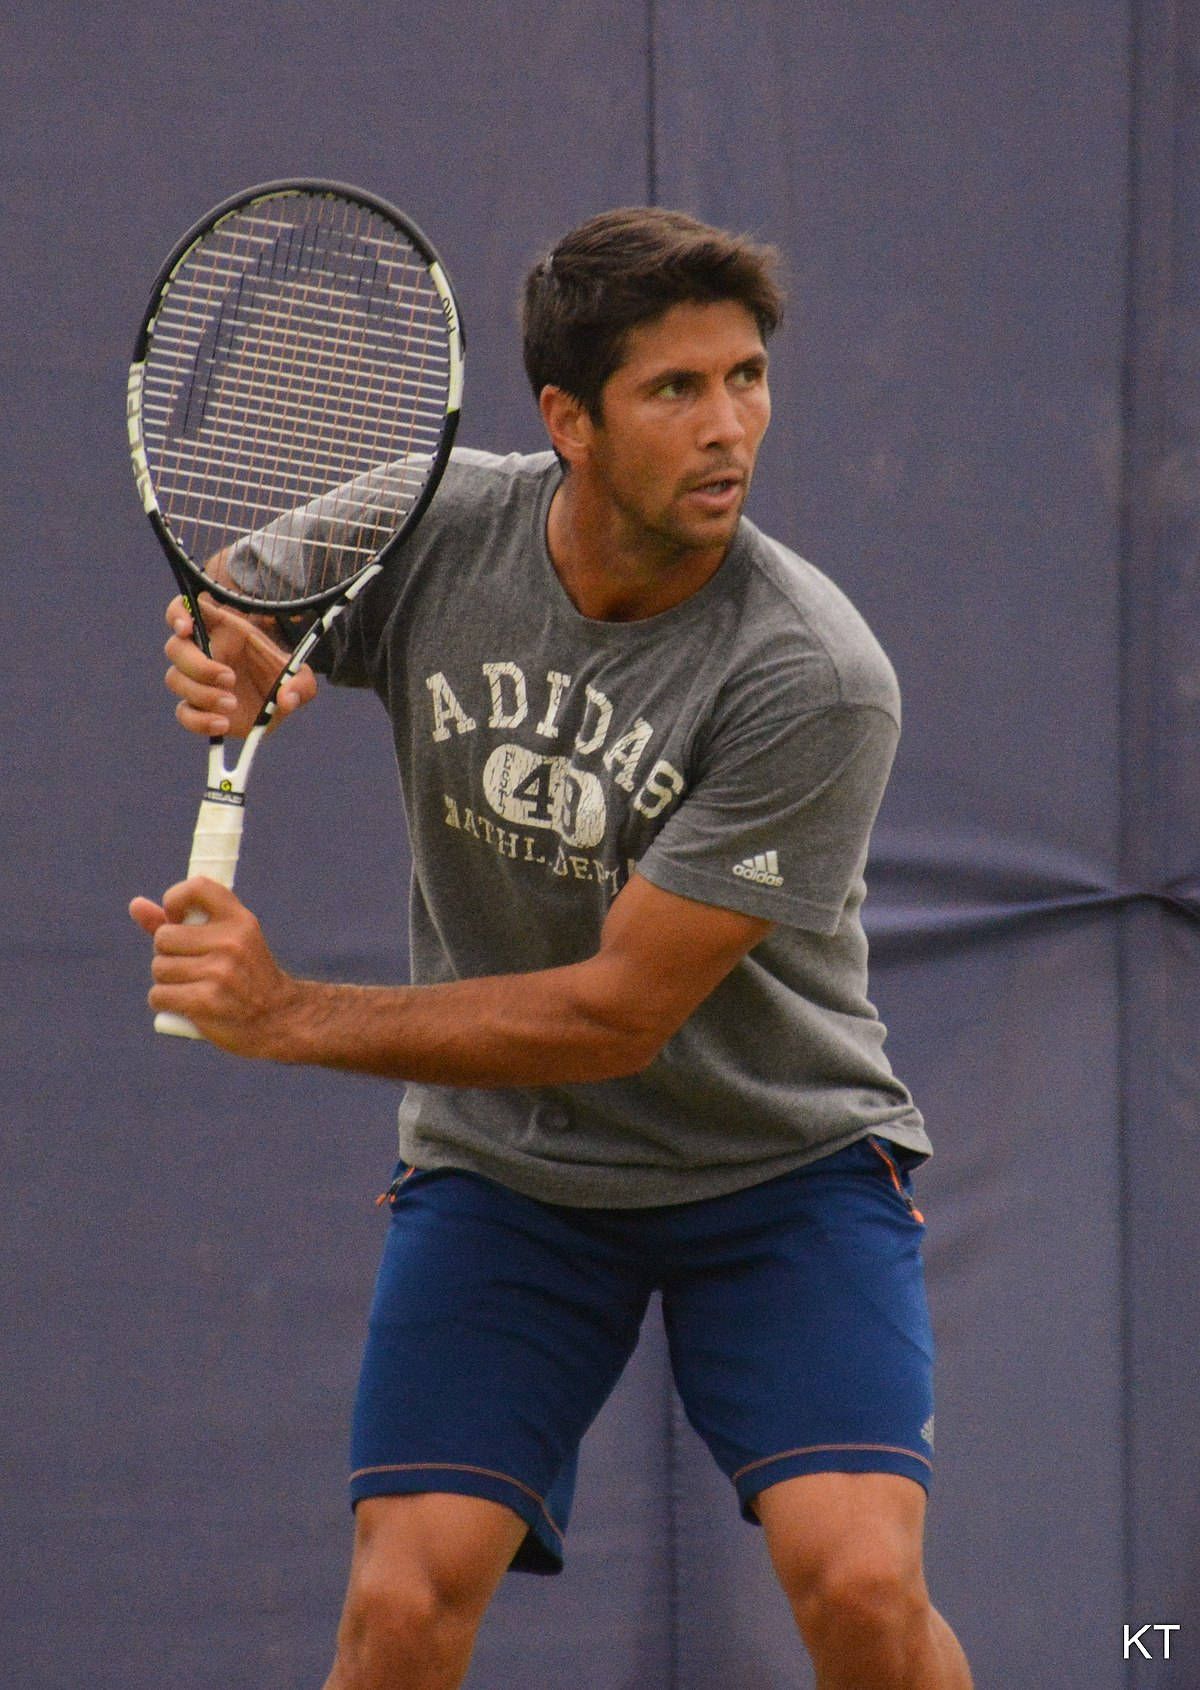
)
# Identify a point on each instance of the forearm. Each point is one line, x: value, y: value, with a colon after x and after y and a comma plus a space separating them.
x: 549, y: 1028
x: 598, y: 1019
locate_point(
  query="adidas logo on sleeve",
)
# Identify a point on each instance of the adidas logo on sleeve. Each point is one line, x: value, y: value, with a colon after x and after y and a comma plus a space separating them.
x: 763, y: 869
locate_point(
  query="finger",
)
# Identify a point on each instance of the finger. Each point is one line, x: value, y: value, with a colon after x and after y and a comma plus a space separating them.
x: 202, y: 722
x: 179, y: 618
x: 203, y: 685
x: 215, y: 724
x: 185, y: 646
x: 148, y: 916
x: 186, y: 954
x: 186, y: 656
x: 183, y: 997
x: 210, y: 689
x: 177, y: 968
x: 219, y: 616
x: 200, y: 894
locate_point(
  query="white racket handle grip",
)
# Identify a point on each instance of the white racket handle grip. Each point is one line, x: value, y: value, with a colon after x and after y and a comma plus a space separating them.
x: 215, y: 846
x: 217, y: 840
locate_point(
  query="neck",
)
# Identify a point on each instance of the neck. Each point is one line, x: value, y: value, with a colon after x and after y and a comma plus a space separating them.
x: 611, y: 575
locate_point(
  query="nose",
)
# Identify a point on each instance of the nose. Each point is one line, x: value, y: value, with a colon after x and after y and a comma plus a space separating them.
x: 722, y: 423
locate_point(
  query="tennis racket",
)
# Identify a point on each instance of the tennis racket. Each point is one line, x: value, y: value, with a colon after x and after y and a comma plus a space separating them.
x: 293, y: 397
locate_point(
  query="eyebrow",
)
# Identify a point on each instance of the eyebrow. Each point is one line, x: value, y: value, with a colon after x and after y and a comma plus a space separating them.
x: 688, y: 372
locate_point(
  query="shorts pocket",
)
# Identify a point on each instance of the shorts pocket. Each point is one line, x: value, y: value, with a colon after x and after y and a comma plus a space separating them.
x: 899, y: 1175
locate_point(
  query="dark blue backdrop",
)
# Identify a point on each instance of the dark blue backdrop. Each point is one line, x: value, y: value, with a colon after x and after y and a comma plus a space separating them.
x: 986, y: 429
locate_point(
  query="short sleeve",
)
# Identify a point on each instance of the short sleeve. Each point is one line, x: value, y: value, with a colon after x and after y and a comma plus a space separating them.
x: 290, y: 557
x: 778, y: 820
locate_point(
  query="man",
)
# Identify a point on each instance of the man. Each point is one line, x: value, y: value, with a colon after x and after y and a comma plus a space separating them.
x: 641, y: 749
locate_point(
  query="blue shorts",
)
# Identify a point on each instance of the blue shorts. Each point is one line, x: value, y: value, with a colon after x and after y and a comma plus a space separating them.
x: 795, y: 1314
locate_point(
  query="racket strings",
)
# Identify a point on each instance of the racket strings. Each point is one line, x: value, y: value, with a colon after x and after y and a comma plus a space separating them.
x: 300, y: 434
x: 302, y: 347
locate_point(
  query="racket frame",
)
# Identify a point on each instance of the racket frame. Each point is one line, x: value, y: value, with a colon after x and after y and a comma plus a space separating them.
x: 217, y: 837
x: 315, y: 186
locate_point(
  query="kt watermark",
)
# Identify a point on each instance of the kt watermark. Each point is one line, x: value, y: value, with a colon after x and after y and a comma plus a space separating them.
x: 1149, y: 1642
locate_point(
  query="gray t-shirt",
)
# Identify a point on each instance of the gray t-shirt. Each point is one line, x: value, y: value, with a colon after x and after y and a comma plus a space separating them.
x: 734, y: 749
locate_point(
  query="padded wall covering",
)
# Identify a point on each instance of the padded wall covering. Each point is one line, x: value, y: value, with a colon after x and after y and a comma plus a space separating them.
x: 986, y: 430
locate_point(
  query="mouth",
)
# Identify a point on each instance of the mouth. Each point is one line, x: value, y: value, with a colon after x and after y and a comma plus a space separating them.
x: 718, y: 492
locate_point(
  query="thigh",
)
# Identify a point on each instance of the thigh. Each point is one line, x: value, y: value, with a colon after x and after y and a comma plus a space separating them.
x: 455, y: 1548
x: 498, y: 1327
x: 823, y: 1526
x: 800, y: 1333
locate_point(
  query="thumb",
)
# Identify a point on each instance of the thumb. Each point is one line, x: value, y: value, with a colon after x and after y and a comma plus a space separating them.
x: 148, y: 916
x: 299, y: 689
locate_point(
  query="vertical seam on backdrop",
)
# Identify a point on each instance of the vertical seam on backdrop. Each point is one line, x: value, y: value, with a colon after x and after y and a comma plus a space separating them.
x: 1153, y: 50
x: 674, y: 1571
x: 651, y: 102
x: 671, y: 1437
x: 1153, y: 64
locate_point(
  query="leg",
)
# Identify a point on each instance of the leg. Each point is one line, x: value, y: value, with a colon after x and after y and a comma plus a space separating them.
x: 847, y: 1550
x: 425, y: 1568
x: 803, y: 1351
x: 497, y: 1330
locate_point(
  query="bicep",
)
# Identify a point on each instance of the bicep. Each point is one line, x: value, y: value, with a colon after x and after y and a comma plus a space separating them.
x: 786, y: 809
x: 662, y: 954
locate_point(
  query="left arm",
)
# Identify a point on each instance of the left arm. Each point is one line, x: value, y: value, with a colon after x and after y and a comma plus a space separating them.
x: 659, y: 957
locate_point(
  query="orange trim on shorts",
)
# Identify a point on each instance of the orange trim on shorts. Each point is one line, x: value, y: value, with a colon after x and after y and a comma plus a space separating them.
x: 895, y: 1173
x: 462, y: 1467
x: 393, y: 1189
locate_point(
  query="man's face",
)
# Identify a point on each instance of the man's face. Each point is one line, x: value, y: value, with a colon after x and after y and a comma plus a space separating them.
x: 680, y: 426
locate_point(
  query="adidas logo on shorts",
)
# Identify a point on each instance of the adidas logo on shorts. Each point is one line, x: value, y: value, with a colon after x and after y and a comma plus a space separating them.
x: 763, y: 869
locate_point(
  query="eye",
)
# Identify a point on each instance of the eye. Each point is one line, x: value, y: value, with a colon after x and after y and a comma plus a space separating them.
x: 749, y: 375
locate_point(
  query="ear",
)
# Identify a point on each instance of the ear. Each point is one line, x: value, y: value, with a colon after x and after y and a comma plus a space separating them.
x: 567, y: 423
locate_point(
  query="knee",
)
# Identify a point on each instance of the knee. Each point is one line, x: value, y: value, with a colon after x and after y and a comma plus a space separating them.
x: 424, y: 1569
x: 395, y: 1603
x: 402, y: 1626
x: 866, y: 1596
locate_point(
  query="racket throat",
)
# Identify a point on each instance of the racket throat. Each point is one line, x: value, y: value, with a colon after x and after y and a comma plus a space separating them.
x: 218, y: 835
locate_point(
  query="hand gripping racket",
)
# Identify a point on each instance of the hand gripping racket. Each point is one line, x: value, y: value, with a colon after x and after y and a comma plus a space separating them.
x: 293, y: 398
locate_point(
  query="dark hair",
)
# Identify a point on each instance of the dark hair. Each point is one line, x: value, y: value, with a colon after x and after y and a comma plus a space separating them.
x: 624, y: 268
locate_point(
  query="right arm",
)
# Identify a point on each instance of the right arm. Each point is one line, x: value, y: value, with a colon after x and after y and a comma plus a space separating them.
x: 223, y: 693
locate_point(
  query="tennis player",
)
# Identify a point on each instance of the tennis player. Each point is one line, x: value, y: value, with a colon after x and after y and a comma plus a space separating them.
x: 641, y: 747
